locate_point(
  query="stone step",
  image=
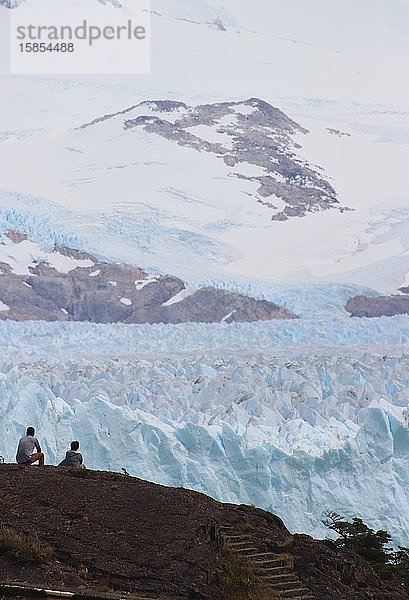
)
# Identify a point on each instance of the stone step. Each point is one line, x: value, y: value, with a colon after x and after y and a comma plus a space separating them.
x: 263, y: 555
x: 276, y: 570
x: 242, y: 547
x: 248, y: 551
x: 280, y: 578
x: 263, y: 564
x: 285, y: 585
x: 274, y: 562
x: 238, y: 543
x: 294, y: 593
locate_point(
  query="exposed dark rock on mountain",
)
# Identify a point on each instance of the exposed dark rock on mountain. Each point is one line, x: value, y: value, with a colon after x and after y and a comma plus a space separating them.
x: 106, y: 531
x: 16, y: 236
x: 378, y: 306
x: 101, y: 292
x: 212, y: 305
x: 252, y: 135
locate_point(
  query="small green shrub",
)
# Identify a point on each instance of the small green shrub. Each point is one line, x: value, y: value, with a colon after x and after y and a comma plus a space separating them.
x: 22, y: 548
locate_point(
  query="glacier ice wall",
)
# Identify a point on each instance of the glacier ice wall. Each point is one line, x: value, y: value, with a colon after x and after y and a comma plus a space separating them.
x: 296, y: 433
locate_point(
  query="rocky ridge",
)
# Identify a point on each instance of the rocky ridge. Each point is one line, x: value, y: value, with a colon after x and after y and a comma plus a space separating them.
x: 379, y: 306
x: 68, y: 285
x: 110, y: 532
x: 252, y: 134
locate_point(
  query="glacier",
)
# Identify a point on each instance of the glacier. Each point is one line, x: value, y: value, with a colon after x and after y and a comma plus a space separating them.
x: 28, y: 341
x: 296, y: 417
x: 308, y: 424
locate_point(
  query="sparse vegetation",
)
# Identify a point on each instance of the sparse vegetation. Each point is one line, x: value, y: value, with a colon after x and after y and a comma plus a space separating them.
x: 240, y: 579
x: 355, y: 535
x: 286, y: 542
x: 22, y: 548
x: 288, y: 558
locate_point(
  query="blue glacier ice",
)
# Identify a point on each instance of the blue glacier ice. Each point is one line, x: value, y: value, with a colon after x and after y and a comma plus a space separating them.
x: 71, y: 339
x: 273, y: 414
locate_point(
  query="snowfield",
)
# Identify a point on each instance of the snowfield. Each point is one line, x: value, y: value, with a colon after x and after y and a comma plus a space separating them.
x: 127, y: 195
x: 27, y: 254
x: 130, y: 194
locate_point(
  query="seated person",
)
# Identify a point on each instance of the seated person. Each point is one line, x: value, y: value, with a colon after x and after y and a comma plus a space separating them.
x: 26, y: 446
x: 73, y: 458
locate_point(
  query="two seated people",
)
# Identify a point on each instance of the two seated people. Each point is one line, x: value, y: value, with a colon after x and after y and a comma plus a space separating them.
x: 29, y: 452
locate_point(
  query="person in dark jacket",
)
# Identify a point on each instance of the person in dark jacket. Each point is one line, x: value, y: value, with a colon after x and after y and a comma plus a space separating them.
x: 73, y: 458
x: 26, y: 454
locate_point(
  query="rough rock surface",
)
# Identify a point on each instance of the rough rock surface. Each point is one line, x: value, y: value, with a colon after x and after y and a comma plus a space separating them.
x: 334, y: 574
x: 378, y: 306
x: 113, y: 531
x: 252, y: 133
x: 103, y: 292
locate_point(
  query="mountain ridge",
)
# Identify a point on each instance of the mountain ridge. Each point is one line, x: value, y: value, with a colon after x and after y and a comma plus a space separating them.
x: 68, y: 285
x: 252, y: 132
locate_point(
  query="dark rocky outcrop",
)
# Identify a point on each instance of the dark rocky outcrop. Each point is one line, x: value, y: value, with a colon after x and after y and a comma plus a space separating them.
x: 103, y: 292
x: 213, y: 305
x: 107, y: 531
x: 254, y: 134
x: 378, y: 306
x: 335, y: 574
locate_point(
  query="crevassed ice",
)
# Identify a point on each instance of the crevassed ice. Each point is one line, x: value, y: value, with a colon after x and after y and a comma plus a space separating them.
x: 296, y: 432
x: 25, y: 340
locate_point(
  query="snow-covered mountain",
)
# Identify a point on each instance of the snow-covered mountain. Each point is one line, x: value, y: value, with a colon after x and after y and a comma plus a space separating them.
x: 336, y: 89
x: 265, y: 155
x: 251, y: 137
x: 127, y: 187
x: 67, y: 285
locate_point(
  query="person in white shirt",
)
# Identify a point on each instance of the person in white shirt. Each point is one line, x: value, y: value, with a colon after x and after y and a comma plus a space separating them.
x: 26, y: 454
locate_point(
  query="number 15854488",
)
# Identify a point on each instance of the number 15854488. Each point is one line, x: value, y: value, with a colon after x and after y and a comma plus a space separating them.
x: 42, y: 47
